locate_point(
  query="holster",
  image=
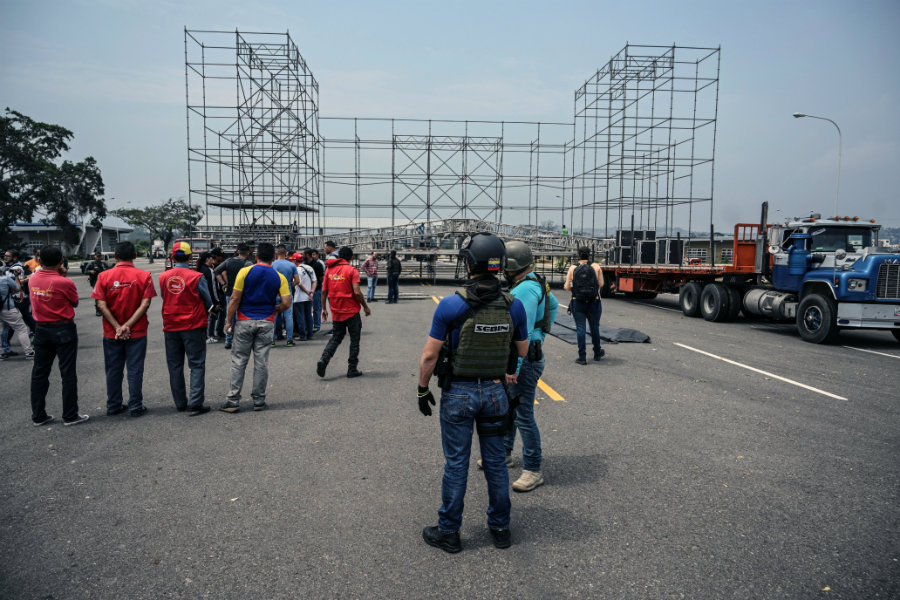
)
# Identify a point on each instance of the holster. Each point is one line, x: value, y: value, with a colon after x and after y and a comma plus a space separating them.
x: 514, y: 402
x: 535, y: 351
x: 444, y: 367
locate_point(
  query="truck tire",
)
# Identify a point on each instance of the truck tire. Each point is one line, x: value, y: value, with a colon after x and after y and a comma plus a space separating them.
x: 735, y: 302
x: 689, y: 299
x: 816, y: 319
x: 714, y: 302
x: 896, y: 333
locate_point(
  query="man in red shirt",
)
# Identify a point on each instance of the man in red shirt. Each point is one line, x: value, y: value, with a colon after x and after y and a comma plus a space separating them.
x: 123, y: 296
x: 186, y: 302
x: 53, y: 302
x: 341, y: 290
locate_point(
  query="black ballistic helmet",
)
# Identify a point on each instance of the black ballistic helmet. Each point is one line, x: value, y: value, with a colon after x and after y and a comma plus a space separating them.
x: 484, y: 253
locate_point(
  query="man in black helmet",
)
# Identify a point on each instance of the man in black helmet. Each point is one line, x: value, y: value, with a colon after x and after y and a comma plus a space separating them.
x: 487, y: 331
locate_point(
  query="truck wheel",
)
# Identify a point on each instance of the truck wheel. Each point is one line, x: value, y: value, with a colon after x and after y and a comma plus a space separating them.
x: 735, y: 302
x: 714, y: 302
x: 816, y: 319
x: 689, y: 299
x: 896, y: 333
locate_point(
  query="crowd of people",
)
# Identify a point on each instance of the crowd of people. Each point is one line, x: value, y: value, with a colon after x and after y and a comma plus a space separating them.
x: 250, y: 304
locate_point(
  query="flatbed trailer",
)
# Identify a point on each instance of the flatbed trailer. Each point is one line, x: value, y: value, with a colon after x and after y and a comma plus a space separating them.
x: 646, y: 281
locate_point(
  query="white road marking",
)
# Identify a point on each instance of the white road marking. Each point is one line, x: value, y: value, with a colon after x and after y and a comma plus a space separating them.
x: 678, y: 310
x: 873, y: 352
x: 766, y: 373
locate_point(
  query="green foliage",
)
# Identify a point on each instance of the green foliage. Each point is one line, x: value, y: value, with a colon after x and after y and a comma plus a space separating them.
x: 32, y: 180
x: 142, y: 246
x: 164, y: 221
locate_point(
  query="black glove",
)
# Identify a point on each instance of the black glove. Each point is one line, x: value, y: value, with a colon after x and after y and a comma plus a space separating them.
x: 425, y: 397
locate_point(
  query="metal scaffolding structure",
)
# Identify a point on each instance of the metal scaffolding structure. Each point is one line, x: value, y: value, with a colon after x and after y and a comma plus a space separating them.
x: 639, y: 151
x: 645, y: 139
x: 252, y: 133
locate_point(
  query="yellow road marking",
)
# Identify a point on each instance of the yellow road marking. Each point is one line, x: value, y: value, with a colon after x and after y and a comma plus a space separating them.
x: 554, y: 395
x: 436, y: 301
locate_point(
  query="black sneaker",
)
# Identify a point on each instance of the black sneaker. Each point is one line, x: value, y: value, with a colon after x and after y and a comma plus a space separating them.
x: 43, y: 421
x: 501, y: 538
x: 111, y: 412
x: 228, y: 345
x: 448, y: 542
x: 259, y: 407
x: 581, y: 361
x: 139, y: 412
x: 198, y: 410
x: 599, y: 355
x: 76, y: 421
x: 354, y: 373
x: 181, y: 408
x: 320, y: 368
x: 230, y: 407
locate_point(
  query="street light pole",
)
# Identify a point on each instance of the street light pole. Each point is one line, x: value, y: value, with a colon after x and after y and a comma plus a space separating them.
x: 837, y: 196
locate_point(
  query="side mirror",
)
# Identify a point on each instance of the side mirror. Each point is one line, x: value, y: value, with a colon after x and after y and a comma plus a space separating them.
x: 840, y: 254
x: 774, y: 249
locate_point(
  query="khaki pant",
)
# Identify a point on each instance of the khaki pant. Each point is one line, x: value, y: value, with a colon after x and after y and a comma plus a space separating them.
x: 13, y: 317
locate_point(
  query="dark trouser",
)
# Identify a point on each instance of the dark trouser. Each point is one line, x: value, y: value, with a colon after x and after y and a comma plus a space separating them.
x: 393, y: 281
x: 216, y: 324
x: 354, y: 326
x: 590, y: 312
x: 303, y: 319
x: 193, y: 344
x: 51, y: 341
x: 117, y: 354
x: 25, y: 308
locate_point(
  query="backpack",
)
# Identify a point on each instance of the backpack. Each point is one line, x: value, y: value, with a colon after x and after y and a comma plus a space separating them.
x: 585, y: 287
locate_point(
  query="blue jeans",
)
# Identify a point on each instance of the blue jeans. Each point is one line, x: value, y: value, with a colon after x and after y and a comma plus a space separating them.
x: 303, y: 319
x: 4, y: 338
x: 116, y: 355
x: 529, y: 374
x: 229, y: 336
x: 371, y: 282
x: 393, y: 287
x: 285, y: 320
x: 193, y: 344
x: 590, y: 311
x: 317, y: 309
x: 462, y: 406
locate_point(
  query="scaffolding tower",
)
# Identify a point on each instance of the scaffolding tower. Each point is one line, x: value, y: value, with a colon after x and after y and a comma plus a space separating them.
x: 253, y: 135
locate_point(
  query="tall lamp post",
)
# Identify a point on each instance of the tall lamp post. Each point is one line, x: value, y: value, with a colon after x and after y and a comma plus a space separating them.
x: 837, y: 196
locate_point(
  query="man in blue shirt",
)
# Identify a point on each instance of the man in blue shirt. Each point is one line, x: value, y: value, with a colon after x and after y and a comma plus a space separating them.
x: 285, y: 320
x: 488, y: 331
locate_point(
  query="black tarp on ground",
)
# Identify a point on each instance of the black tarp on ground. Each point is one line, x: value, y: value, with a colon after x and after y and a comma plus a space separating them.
x: 564, y: 329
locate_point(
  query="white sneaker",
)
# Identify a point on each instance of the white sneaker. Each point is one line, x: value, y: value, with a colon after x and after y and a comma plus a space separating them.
x: 528, y: 481
x: 510, y: 463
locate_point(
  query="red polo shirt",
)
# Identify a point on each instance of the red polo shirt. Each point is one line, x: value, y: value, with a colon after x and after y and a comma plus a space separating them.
x: 53, y: 297
x: 123, y: 288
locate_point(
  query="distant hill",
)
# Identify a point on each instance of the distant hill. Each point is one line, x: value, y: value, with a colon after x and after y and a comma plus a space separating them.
x: 890, y: 233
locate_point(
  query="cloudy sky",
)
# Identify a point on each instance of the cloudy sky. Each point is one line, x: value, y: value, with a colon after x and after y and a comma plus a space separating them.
x: 113, y: 72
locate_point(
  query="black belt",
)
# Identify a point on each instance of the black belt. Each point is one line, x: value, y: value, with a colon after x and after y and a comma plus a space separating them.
x: 60, y: 322
x: 477, y: 379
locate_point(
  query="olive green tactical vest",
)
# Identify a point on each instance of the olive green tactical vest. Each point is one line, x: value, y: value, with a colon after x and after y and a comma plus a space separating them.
x: 484, y: 340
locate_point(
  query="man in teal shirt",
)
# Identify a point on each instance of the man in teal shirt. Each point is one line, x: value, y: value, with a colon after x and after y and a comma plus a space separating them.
x: 540, y: 309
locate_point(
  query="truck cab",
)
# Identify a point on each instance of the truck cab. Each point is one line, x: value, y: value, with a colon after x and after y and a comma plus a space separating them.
x: 837, y: 273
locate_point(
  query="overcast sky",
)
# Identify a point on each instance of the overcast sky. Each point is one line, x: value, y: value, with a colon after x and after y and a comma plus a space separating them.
x: 112, y: 71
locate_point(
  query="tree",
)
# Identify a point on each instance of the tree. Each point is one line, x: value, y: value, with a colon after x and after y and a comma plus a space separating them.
x: 165, y: 221
x: 32, y: 180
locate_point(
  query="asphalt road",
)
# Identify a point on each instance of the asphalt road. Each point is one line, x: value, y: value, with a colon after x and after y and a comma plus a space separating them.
x: 670, y: 474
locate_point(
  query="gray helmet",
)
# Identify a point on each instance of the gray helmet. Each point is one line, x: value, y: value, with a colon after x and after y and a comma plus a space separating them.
x: 518, y: 256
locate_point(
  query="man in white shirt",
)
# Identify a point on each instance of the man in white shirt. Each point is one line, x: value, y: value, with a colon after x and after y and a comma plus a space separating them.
x: 303, y: 295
